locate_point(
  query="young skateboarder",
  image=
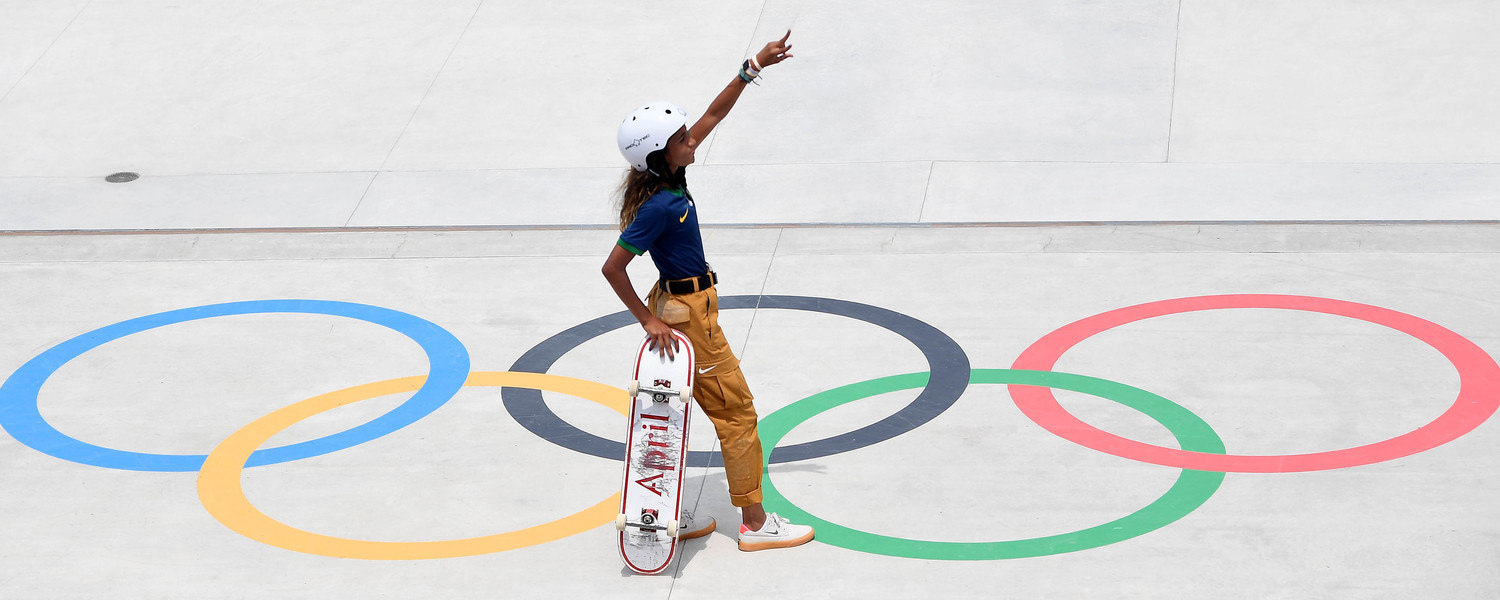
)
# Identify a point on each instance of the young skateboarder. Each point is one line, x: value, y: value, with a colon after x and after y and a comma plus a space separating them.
x: 658, y: 215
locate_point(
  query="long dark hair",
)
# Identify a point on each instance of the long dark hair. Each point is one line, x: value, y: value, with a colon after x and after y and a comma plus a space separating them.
x: 638, y: 186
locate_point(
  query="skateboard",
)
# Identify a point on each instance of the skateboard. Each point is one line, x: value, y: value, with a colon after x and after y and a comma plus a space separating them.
x: 655, y: 455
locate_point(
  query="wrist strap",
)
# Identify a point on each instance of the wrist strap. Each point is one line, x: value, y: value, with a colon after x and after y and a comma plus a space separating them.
x: 748, y: 74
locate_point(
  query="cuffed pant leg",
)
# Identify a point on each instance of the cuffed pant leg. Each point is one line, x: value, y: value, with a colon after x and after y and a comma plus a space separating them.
x: 726, y: 399
x: 721, y: 391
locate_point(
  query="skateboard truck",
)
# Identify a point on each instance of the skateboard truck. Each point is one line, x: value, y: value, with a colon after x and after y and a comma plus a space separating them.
x: 648, y: 522
x: 659, y: 393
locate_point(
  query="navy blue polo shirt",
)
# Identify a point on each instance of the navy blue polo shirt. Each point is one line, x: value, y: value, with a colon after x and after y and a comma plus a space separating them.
x: 667, y: 227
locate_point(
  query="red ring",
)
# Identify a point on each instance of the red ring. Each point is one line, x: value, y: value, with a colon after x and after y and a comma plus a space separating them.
x: 1478, y: 395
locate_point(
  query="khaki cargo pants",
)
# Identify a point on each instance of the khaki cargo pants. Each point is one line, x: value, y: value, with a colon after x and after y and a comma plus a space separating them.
x: 719, y: 387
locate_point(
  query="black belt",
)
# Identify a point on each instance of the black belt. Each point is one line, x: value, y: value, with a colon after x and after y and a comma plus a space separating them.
x: 689, y: 285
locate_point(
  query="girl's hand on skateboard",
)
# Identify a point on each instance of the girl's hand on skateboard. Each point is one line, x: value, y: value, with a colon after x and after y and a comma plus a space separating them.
x: 662, y: 340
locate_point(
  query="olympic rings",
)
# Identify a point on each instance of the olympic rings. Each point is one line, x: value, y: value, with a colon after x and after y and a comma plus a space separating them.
x: 19, y: 414
x: 1191, y: 490
x: 221, y: 493
x: 1478, y: 396
x: 946, y: 361
x: 1202, y: 454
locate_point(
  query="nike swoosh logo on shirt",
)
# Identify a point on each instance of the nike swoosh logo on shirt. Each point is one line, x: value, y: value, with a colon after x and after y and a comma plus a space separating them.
x: 683, y: 218
x: 702, y: 371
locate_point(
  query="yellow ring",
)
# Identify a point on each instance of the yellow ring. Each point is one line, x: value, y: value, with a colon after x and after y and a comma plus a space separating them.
x: 221, y: 493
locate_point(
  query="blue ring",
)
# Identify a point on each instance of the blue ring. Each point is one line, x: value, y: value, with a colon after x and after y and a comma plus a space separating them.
x: 448, y: 367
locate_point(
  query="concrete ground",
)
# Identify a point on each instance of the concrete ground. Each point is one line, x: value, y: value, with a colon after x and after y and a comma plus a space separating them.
x: 989, y: 266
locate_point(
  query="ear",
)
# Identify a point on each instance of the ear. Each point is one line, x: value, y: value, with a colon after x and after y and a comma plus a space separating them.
x: 656, y: 162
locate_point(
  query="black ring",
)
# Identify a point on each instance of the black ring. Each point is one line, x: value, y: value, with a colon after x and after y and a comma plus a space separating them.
x: 947, y: 362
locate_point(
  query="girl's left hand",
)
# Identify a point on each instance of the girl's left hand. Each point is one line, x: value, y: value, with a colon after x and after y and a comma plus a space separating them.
x: 775, y: 52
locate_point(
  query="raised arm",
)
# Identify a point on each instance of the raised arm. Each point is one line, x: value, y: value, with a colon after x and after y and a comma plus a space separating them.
x: 773, y: 53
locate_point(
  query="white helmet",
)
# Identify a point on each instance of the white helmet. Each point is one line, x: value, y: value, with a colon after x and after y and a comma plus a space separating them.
x: 646, y: 130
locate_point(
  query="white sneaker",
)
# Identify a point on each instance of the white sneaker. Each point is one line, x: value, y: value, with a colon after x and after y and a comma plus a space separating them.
x: 688, y: 527
x: 777, y: 532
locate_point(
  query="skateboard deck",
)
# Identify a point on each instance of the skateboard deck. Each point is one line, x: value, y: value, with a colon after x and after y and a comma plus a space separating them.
x: 655, y: 455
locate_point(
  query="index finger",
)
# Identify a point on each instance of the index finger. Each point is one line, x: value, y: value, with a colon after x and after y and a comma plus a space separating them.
x: 784, y: 37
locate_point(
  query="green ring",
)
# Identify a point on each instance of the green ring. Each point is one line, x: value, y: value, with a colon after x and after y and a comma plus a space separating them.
x: 1191, y: 490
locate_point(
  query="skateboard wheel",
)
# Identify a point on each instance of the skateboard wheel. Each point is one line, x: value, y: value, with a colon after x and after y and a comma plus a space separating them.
x: 635, y: 388
x: 620, y: 523
x: 672, y: 528
x: 687, y: 394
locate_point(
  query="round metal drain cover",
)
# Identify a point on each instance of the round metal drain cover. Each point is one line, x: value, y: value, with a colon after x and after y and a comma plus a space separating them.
x: 123, y: 177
